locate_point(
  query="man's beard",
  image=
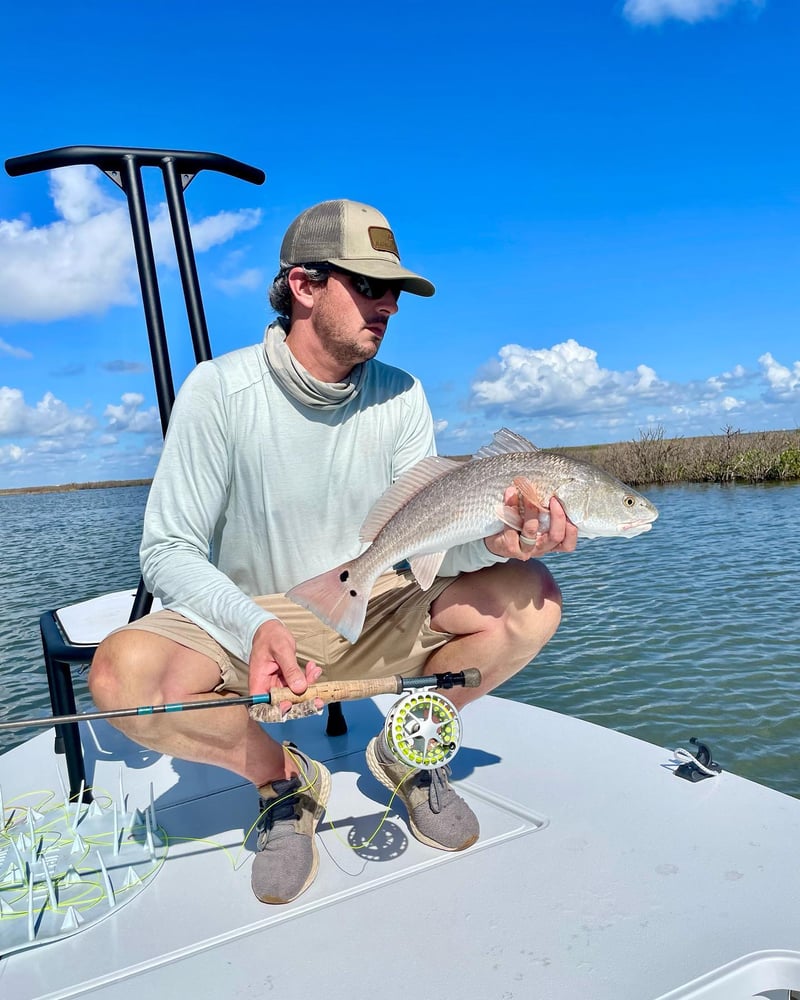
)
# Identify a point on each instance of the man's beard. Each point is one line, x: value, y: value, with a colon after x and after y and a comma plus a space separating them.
x: 351, y: 352
x: 347, y: 350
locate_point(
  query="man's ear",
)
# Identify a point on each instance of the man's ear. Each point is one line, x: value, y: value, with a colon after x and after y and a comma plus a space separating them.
x: 300, y: 285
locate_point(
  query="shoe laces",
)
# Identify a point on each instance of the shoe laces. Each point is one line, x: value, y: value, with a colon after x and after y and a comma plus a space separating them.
x: 280, y: 809
x: 438, y: 786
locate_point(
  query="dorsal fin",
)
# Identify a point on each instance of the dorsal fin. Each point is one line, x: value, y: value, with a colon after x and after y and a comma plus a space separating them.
x: 505, y: 442
x: 408, y: 485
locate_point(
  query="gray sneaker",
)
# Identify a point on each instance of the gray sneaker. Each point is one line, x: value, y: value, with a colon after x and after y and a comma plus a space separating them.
x: 436, y: 814
x: 287, y: 859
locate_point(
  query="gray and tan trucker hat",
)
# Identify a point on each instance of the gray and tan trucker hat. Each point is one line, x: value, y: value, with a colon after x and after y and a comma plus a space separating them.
x: 353, y: 237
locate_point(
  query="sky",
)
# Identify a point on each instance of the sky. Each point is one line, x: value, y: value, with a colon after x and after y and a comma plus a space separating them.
x: 606, y: 194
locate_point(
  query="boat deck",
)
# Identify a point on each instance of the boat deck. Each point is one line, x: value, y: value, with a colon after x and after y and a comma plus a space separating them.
x: 598, y: 874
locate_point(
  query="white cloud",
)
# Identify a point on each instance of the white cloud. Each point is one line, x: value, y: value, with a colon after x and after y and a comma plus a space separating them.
x: 83, y: 262
x: 80, y: 264
x: 559, y: 379
x: 128, y: 417
x: 247, y: 281
x: 50, y: 443
x: 77, y: 194
x: 14, y: 352
x: 11, y: 454
x: 219, y: 228
x: 50, y: 417
x: 561, y: 394
x: 691, y: 11
x: 783, y: 382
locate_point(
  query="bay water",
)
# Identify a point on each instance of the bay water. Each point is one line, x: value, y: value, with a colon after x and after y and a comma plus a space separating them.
x: 690, y: 630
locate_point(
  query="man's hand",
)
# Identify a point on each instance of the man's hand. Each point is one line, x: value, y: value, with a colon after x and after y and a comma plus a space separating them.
x: 273, y: 663
x: 530, y: 542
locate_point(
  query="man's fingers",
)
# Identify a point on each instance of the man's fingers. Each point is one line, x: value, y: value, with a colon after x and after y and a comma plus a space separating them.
x: 313, y: 672
x: 546, y: 531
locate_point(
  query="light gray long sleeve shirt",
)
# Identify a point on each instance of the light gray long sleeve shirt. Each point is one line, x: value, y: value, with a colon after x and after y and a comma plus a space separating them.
x: 256, y: 492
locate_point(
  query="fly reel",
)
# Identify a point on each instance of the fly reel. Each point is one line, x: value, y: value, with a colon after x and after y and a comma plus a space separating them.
x: 423, y: 730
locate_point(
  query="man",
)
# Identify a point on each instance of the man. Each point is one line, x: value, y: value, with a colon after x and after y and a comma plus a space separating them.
x: 274, y: 455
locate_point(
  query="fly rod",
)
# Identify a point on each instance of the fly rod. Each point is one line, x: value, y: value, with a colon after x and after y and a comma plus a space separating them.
x: 326, y: 691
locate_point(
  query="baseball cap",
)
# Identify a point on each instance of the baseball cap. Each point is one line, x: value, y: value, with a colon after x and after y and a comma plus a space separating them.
x: 353, y: 237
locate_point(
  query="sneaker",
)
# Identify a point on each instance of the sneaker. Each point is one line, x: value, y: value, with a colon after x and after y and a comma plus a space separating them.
x: 436, y: 814
x: 287, y: 859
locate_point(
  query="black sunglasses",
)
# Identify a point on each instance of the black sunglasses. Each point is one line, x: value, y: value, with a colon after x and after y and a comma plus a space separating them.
x: 370, y: 288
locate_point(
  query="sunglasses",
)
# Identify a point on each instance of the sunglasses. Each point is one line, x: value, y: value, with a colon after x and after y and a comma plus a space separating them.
x: 370, y: 288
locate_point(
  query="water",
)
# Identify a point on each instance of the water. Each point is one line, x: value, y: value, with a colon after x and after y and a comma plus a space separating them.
x: 57, y: 548
x: 690, y: 630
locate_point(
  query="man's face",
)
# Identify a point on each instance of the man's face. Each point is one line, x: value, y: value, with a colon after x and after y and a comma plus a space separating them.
x: 351, y: 325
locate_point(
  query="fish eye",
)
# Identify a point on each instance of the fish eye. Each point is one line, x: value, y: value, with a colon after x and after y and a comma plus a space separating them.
x: 628, y: 500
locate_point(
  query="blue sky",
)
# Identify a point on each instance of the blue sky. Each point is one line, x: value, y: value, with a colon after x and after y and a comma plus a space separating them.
x: 606, y: 195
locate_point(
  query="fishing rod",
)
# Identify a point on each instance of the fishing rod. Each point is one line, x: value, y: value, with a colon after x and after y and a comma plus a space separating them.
x: 326, y: 691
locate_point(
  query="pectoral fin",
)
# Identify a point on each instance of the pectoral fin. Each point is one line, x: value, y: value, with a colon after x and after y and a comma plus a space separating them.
x: 532, y: 493
x: 510, y: 516
x: 426, y: 567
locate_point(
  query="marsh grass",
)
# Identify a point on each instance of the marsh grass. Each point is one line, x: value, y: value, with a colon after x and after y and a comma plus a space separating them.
x: 729, y: 457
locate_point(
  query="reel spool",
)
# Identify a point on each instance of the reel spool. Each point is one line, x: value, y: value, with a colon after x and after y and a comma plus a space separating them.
x: 423, y: 730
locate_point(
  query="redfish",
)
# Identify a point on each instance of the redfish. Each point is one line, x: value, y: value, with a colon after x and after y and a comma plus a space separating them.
x: 442, y: 502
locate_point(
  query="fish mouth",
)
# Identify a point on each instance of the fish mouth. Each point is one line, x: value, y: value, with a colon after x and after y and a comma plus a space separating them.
x: 636, y: 527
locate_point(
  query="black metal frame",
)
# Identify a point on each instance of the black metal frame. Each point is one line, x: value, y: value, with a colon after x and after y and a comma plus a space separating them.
x: 123, y: 166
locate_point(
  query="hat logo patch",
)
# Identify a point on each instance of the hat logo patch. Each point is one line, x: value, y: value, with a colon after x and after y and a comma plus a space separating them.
x: 383, y: 240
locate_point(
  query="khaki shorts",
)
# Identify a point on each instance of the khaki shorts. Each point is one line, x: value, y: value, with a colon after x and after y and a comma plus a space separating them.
x: 397, y: 637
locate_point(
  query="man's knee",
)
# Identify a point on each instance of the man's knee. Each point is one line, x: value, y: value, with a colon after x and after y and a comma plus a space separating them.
x: 533, y: 602
x: 106, y: 670
x: 129, y: 667
x: 528, y: 585
x: 517, y: 601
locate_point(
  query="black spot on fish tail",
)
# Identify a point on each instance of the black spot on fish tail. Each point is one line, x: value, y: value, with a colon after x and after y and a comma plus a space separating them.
x: 354, y: 593
x: 344, y: 576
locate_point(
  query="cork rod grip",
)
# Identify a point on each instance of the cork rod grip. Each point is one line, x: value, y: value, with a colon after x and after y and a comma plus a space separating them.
x: 339, y: 690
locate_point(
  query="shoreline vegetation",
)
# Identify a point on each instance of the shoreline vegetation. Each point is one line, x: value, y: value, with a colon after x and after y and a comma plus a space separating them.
x: 72, y: 487
x: 733, y: 456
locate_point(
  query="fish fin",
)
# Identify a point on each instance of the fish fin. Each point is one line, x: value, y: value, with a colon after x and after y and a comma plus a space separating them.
x: 407, y: 486
x: 505, y: 442
x: 509, y: 516
x: 337, y: 599
x: 426, y: 567
x: 529, y: 491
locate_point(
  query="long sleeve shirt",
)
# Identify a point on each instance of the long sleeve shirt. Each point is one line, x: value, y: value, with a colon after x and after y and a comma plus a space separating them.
x: 256, y: 492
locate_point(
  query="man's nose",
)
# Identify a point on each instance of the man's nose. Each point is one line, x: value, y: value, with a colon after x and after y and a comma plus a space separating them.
x: 387, y: 303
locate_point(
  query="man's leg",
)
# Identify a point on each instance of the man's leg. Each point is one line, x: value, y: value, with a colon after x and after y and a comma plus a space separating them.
x: 500, y: 617
x: 134, y: 667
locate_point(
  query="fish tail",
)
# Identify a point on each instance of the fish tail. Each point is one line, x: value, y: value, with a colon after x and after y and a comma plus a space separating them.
x: 337, y: 598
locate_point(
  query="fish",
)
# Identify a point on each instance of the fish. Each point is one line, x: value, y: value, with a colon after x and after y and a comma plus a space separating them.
x: 443, y: 502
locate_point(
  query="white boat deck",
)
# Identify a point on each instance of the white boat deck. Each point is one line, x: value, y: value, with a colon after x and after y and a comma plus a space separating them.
x: 598, y: 875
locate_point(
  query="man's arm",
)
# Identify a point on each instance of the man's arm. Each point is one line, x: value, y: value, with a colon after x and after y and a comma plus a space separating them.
x: 186, y: 500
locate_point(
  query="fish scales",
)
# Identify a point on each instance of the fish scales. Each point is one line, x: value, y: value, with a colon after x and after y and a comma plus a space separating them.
x: 459, y: 507
x: 442, y: 503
